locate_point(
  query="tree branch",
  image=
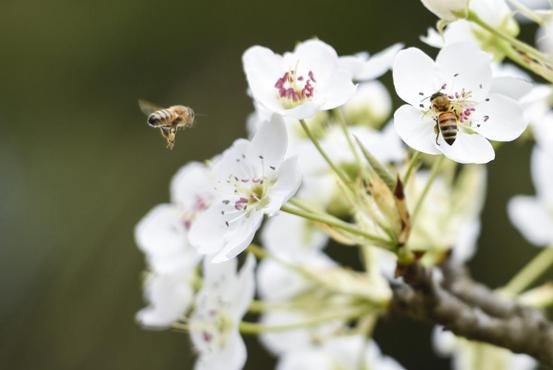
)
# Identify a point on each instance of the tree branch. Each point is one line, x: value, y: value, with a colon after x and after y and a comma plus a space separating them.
x: 471, y: 310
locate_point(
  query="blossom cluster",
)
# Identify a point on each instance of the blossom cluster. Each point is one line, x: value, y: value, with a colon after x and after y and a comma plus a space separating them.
x: 327, y: 164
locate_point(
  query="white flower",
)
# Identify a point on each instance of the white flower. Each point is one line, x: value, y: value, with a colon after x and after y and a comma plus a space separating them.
x: 220, y: 305
x: 371, y: 105
x: 445, y: 9
x: 469, y: 355
x: 343, y: 352
x: 253, y: 179
x: 533, y: 216
x: 462, y: 73
x: 163, y: 236
x: 364, y: 67
x: 495, y: 13
x: 298, y: 84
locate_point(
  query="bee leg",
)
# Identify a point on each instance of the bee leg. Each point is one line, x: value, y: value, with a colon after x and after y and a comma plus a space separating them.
x: 437, y: 131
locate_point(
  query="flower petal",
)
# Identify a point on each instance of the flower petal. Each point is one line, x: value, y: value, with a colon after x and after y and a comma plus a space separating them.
x: 269, y: 145
x: 263, y: 68
x: 531, y: 218
x: 339, y: 89
x: 288, y: 183
x: 500, y: 118
x: 542, y: 172
x: 379, y: 63
x: 316, y: 56
x: 232, y: 355
x: 467, y: 148
x: 415, y: 129
x: 513, y: 87
x: 415, y: 76
x: 238, y: 239
x: 474, y: 76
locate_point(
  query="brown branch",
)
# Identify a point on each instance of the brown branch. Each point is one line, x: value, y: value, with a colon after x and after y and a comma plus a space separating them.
x: 477, y: 315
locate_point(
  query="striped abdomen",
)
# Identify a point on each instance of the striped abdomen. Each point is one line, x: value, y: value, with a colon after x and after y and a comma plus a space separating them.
x: 447, y: 121
x: 161, y: 117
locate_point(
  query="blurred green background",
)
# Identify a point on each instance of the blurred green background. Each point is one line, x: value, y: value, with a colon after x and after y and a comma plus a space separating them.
x: 79, y: 167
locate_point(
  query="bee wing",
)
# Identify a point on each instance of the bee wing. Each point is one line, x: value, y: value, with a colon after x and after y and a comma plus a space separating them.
x: 148, y: 107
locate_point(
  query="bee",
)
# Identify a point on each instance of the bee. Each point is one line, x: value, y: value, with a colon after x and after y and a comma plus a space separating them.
x: 168, y: 120
x: 447, y: 121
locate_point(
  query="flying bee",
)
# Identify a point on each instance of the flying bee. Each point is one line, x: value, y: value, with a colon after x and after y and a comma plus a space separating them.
x: 168, y: 120
x: 447, y: 121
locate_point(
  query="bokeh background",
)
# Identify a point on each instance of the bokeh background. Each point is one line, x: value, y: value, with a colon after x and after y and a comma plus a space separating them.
x: 79, y: 167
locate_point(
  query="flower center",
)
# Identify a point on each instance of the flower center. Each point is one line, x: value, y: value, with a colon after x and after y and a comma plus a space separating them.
x: 215, y: 329
x: 294, y: 89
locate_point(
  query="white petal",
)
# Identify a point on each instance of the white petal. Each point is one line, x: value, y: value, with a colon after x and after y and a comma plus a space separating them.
x: 277, y: 283
x: 287, y: 184
x: 542, y: 172
x: 338, y: 89
x: 465, y: 244
x: 305, y: 359
x: 239, y: 239
x: 191, y: 182
x: 433, y: 38
x: 513, y: 87
x: 467, y: 148
x: 379, y: 63
x: 268, y: 147
x: 415, y: 76
x: 474, y: 76
x: 501, y: 118
x: 532, y: 219
x: 415, y: 129
x: 244, y: 288
x: 316, y: 56
x: 231, y: 357
x: 208, y: 231
x: 353, y: 63
x: 263, y: 68
x: 169, y: 297
x: 288, y: 236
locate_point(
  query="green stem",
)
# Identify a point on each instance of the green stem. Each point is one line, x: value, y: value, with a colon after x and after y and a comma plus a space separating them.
x: 331, y: 221
x: 412, y: 164
x: 540, y: 297
x: 320, y: 149
x: 530, y: 273
x: 435, y: 169
x: 254, y: 328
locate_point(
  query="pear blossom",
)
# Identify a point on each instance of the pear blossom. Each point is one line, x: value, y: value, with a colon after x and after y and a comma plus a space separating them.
x: 220, y: 305
x: 463, y: 74
x: 252, y: 180
x: 364, y: 67
x: 446, y: 9
x: 343, y: 352
x: 469, y: 355
x: 533, y: 216
x: 300, y: 83
x: 163, y: 237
